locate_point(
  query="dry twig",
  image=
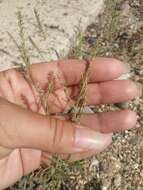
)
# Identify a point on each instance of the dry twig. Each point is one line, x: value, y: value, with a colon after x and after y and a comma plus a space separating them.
x: 76, y: 111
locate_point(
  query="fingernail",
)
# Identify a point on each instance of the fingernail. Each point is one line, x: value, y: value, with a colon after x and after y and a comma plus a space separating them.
x: 89, y: 139
x: 126, y: 74
x: 140, y: 88
x: 127, y: 67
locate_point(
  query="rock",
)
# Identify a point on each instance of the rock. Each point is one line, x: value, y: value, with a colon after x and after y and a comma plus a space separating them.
x: 112, y: 166
x: 117, y: 180
x: 94, y: 164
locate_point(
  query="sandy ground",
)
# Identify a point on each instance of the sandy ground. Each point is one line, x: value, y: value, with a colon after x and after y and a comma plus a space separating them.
x: 61, y: 21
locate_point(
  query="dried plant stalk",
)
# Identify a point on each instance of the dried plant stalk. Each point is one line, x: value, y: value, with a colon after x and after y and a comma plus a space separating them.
x: 23, y: 49
x: 39, y: 24
x: 76, y: 111
x: 47, y: 93
x: 27, y: 71
x: 37, y: 48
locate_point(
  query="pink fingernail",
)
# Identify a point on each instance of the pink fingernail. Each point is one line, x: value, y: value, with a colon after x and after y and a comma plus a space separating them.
x: 140, y: 88
x: 90, y: 139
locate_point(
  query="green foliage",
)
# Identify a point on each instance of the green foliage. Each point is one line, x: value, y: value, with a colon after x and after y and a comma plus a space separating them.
x: 49, y: 178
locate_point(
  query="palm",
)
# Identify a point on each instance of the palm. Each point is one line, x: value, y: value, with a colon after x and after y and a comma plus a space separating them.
x: 16, y: 89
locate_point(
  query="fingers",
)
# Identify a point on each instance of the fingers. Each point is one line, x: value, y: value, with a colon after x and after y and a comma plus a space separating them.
x: 10, y: 169
x: 16, y: 89
x: 25, y: 156
x: 27, y: 129
x: 18, y: 164
x: 108, y: 92
x: 70, y: 71
x: 110, y: 121
x: 97, y: 93
x: 30, y: 159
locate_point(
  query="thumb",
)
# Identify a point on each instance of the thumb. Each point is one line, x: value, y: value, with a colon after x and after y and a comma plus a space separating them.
x: 21, y: 128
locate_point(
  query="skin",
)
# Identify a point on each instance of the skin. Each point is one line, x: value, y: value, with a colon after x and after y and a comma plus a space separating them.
x: 28, y: 137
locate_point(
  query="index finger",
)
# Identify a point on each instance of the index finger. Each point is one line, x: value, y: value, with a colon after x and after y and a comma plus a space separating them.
x: 70, y: 71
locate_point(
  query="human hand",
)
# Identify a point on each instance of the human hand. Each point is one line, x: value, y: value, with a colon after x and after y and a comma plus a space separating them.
x: 27, y: 137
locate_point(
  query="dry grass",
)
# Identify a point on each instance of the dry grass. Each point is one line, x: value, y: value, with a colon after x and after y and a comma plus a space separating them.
x: 39, y: 24
x: 80, y: 103
x: 35, y: 46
